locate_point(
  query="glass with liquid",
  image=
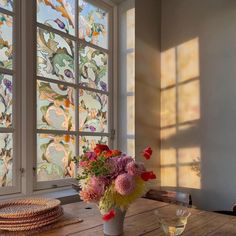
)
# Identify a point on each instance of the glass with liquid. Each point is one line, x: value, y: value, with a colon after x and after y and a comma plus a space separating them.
x: 173, y: 223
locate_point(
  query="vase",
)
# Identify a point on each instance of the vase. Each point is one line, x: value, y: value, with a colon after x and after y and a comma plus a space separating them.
x: 115, y: 226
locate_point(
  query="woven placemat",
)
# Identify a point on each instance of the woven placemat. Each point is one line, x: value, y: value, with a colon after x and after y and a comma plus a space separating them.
x: 65, y: 220
x: 28, y: 207
x: 32, y: 219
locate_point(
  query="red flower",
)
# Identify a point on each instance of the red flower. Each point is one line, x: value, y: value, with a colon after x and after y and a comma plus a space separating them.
x: 109, y: 215
x: 112, y: 153
x: 100, y: 148
x: 148, y: 175
x: 147, y: 152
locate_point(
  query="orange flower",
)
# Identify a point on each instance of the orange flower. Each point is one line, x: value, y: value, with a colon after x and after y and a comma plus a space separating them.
x: 67, y: 138
x: 67, y: 103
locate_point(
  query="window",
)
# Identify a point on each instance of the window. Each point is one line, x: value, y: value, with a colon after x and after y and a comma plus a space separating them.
x: 56, y: 89
x: 9, y: 81
x: 74, y: 85
x: 127, y: 76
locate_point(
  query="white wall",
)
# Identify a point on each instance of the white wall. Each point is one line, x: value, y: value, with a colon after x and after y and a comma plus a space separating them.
x: 147, y: 79
x: 213, y: 24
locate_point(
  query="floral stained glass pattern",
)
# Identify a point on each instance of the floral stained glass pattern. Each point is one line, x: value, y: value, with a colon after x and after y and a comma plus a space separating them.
x: 6, y: 162
x: 58, y: 14
x: 93, y: 24
x: 93, y: 111
x: 55, y: 56
x: 93, y: 68
x: 54, y: 157
x: 5, y: 101
x: 55, y: 106
x: 89, y: 142
x: 6, y: 41
x: 7, y: 4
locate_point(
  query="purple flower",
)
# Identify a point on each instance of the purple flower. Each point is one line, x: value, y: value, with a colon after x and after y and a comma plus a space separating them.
x: 68, y: 73
x: 8, y: 84
x: 91, y: 155
x: 103, y: 85
x: 118, y: 165
x: 60, y: 23
x: 92, y: 128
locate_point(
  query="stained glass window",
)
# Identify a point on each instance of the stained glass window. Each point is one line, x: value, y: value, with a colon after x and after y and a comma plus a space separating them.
x: 93, y: 66
x: 55, y: 109
x: 93, y: 110
x: 55, y: 56
x: 93, y: 24
x: 6, y: 48
x: 57, y: 14
x: 73, y: 80
x: 54, y: 156
x: 7, y: 4
x: 6, y: 100
x: 6, y: 159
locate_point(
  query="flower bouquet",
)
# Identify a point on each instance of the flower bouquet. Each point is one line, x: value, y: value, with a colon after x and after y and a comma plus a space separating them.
x: 113, y: 181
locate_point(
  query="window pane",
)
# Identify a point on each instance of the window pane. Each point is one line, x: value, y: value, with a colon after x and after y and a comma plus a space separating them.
x: 6, y: 41
x: 6, y: 4
x: 5, y: 100
x: 93, y: 68
x: 93, y: 24
x: 55, y: 106
x: 54, y: 156
x: 55, y: 57
x: 5, y: 159
x: 57, y: 14
x: 89, y: 142
x: 93, y: 111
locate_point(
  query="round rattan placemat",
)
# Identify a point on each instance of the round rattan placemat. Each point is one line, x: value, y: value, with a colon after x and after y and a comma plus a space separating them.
x: 26, y: 207
x: 31, y: 219
x: 37, y: 220
x: 31, y: 226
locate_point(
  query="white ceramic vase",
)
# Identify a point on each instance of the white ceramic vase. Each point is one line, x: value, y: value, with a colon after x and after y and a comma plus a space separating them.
x: 115, y: 226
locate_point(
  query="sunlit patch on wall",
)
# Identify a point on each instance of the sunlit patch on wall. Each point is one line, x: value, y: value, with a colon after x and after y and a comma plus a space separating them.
x: 168, y: 107
x: 167, y: 133
x: 130, y: 115
x: 130, y: 26
x: 130, y: 67
x: 180, y: 163
x: 168, y: 156
x: 168, y: 177
x: 188, y: 178
x: 189, y: 101
x: 168, y: 68
x: 188, y: 60
x: 131, y: 147
x: 188, y: 155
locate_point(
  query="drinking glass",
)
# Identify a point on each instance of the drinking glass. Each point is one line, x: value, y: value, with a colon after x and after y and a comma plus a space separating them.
x: 173, y: 221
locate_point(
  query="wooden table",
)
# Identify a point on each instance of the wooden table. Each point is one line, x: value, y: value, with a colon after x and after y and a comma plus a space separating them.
x: 140, y: 220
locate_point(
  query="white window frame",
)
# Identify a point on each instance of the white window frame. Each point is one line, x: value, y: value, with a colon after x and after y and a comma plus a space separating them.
x: 25, y: 105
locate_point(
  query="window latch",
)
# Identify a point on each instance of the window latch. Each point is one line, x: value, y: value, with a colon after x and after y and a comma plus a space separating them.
x: 113, y: 133
x: 22, y: 170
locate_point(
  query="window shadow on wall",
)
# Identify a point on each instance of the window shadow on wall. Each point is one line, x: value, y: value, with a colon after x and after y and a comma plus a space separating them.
x: 180, y: 156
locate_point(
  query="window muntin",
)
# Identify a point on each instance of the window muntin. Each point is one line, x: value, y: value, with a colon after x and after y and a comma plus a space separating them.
x: 76, y: 70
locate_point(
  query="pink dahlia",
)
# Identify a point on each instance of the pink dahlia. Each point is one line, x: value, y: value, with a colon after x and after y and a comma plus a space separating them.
x: 124, y: 184
x: 94, y: 190
x: 134, y: 168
